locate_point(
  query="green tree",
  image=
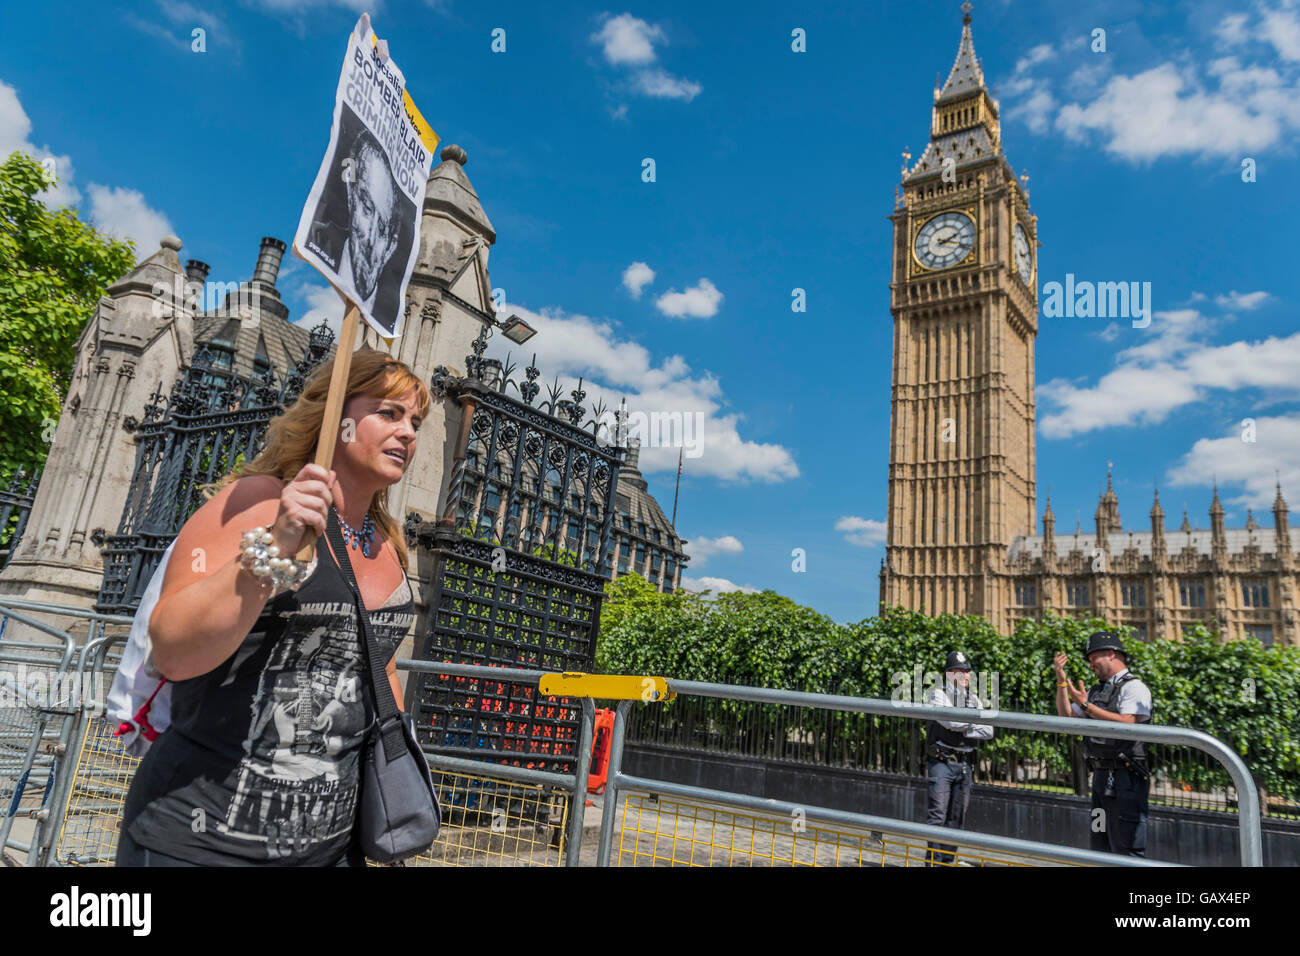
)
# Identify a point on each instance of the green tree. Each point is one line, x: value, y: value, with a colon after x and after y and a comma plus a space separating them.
x: 53, y: 270
x: 1245, y: 694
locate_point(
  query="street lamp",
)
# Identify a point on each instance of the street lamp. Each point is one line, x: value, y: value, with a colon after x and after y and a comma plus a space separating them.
x: 517, y: 330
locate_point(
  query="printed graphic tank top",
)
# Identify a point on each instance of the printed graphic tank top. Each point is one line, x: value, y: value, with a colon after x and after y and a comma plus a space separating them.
x: 261, y: 763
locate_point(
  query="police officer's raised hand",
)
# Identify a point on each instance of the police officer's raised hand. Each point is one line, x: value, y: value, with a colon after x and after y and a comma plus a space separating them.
x: 1059, y: 662
x: 1077, y: 694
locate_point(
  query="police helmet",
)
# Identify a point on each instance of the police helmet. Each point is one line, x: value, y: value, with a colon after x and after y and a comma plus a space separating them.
x: 957, y: 661
x: 1105, y: 641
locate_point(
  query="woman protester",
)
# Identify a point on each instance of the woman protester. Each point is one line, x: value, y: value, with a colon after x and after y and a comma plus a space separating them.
x: 271, y: 697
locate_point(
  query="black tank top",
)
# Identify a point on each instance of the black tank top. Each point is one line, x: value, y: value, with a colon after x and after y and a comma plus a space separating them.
x: 261, y: 761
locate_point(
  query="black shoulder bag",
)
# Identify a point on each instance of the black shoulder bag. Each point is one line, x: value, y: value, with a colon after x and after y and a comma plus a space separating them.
x: 399, y: 814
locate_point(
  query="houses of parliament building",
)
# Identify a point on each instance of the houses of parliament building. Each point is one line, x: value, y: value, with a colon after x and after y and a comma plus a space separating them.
x: 962, y: 495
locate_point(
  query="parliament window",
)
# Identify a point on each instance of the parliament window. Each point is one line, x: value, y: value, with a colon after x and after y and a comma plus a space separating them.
x: 1191, y: 593
x: 1133, y: 594
x: 1260, y: 632
x: 1254, y: 593
x: 1076, y: 593
x: 1026, y: 594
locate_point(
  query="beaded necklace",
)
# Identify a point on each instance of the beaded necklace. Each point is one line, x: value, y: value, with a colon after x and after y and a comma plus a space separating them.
x: 353, y: 537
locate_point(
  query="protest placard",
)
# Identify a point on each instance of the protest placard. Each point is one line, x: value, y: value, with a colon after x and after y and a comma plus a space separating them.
x: 360, y: 226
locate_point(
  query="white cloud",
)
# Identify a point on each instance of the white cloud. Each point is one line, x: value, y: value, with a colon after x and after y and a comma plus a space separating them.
x: 124, y: 213
x: 636, y: 277
x: 116, y: 211
x: 1274, y: 456
x: 865, y: 532
x: 189, y: 14
x: 15, y: 133
x: 1035, y: 56
x: 1162, y: 112
x: 614, y: 367
x: 185, y: 18
x: 1242, y: 300
x: 629, y: 42
x: 1282, y: 29
x: 716, y: 585
x: 626, y: 39
x: 1174, y: 368
x: 1225, y: 107
x: 661, y: 84
x: 700, y: 302
x: 701, y: 549
x: 1110, y: 333
x: 1036, y: 111
x: 323, y: 303
x: 1232, y: 28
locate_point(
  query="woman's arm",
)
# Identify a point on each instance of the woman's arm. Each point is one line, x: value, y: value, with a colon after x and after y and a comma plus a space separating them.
x: 394, y: 682
x: 209, y: 602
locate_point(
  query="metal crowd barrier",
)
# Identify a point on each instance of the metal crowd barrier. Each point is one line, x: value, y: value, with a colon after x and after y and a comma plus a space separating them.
x: 1248, y: 805
x: 37, y: 731
x: 494, y: 813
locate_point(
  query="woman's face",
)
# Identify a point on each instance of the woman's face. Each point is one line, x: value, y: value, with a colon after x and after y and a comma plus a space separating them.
x: 377, y: 435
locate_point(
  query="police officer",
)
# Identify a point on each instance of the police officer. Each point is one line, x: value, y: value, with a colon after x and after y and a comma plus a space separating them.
x: 1121, y: 778
x: 950, y: 752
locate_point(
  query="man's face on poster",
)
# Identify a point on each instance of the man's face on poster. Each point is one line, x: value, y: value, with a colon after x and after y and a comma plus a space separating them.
x: 372, y: 208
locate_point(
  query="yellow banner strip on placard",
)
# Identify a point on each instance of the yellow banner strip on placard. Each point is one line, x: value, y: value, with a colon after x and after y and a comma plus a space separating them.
x: 605, y: 686
x: 428, y: 137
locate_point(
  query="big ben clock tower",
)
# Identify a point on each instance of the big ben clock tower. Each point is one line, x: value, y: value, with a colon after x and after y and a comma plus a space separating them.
x: 964, y: 301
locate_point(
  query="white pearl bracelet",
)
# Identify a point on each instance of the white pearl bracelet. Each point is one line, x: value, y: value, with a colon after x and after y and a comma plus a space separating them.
x: 261, y: 557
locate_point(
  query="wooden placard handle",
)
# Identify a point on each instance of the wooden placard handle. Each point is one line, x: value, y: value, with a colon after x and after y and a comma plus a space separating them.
x: 329, y: 426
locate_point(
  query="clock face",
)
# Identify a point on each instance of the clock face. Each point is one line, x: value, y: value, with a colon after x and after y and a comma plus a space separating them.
x: 945, y: 240
x: 1024, y: 262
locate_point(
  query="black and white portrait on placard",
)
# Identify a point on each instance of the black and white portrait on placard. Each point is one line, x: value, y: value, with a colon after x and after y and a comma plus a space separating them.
x: 363, y: 225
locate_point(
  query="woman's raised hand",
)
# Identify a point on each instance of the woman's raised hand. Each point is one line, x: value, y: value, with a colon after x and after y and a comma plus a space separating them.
x: 304, y: 503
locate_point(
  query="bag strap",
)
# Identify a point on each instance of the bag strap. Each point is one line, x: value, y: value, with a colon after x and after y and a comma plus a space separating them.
x: 394, y: 738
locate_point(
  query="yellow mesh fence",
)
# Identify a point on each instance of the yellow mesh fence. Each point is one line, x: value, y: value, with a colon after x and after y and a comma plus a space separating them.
x: 89, y: 832
x: 487, y: 821
x: 671, y: 832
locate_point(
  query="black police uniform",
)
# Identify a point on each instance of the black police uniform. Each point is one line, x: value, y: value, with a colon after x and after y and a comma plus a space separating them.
x: 1121, y: 778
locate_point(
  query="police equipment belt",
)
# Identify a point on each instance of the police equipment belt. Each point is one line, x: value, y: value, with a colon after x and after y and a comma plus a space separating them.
x: 1122, y: 762
x: 936, y: 752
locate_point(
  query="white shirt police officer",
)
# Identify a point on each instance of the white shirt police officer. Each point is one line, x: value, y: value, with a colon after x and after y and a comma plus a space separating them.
x: 1121, y: 779
x: 950, y: 752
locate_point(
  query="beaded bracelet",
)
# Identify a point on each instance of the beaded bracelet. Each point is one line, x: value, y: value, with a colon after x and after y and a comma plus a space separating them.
x: 258, y: 555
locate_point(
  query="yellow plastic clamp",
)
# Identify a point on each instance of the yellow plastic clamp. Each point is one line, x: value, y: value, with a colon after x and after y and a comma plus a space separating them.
x: 605, y: 686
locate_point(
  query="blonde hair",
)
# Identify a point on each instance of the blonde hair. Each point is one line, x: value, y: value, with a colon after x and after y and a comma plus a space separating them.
x: 292, y: 436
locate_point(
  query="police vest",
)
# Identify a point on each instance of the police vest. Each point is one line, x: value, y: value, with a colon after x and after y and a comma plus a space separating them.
x: 935, y: 732
x: 1105, y: 696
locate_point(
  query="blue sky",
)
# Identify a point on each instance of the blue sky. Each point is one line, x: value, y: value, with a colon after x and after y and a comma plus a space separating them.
x: 775, y: 170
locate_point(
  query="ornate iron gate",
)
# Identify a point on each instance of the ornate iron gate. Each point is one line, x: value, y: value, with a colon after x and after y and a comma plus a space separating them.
x: 521, y: 555
x: 16, y: 503
x: 210, y: 421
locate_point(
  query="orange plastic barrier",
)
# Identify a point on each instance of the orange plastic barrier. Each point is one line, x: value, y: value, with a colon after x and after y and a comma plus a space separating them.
x: 602, y: 734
